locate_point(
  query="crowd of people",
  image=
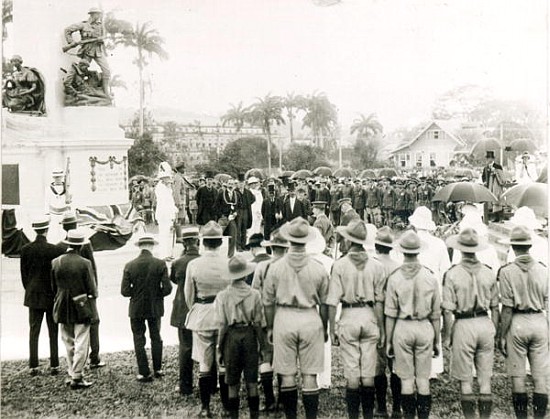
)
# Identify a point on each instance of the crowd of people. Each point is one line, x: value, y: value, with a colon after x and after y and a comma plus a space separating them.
x: 311, y: 264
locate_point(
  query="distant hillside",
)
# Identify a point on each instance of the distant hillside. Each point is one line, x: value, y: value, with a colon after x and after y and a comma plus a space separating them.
x: 170, y: 114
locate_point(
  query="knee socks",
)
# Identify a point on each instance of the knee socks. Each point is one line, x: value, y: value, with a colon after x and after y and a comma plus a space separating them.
x: 381, y: 388
x: 310, y: 398
x: 353, y: 401
x: 367, y: 402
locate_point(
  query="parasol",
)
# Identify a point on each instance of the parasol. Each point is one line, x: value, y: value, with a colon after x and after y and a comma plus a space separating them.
x: 533, y: 195
x: 302, y: 174
x: 222, y: 177
x: 323, y: 171
x: 464, y: 192
x: 254, y: 172
x: 479, y: 150
x: 345, y: 172
x: 523, y: 144
x: 367, y: 174
x: 287, y: 173
x: 387, y: 172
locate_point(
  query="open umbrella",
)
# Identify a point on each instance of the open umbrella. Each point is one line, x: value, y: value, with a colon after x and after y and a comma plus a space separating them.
x: 302, y: 174
x: 523, y: 144
x: 345, y: 172
x: 480, y: 148
x: 533, y: 195
x: 367, y: 174
x: 254, y: 172
x: 543, y: 177
x: 464, y: 192
x: 322, y: 171
x: 222, y: 177
x: 387, y: 172
x: 460, y: 172
x: 287, y: 173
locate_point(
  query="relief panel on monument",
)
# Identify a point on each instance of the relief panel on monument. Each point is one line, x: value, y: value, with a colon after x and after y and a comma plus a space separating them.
x: 23, y: 88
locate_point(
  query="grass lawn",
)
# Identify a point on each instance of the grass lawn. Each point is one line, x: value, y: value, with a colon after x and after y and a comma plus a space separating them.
x: 116, y: 393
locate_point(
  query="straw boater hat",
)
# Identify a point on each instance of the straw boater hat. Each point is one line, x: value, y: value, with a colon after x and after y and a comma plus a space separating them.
x: 76, y: 237
x: 297, y: 231
x: 94, y: 10
x: 467, y: 241
x: 69, y: 218
x: 145, y: 239
x: 384, y: 237
x: 422, y: 219
x: 355, y: 231
x: 58, y: 172
x: 41, y: 223
x: 409, y: 243
x: 211, y: 230
x: 238, y: 268
x: 524, y: 216
x: 520, y: 235
x: 275, y: 240
x: 188, y: 232
x: 253, y: 179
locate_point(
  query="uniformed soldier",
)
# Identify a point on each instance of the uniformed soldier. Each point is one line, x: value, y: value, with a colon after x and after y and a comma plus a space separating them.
x: 206, y: 276
x: 278, y: 246
x: 323, y: 224
x: 388, y: 203
x: 374, y: 201
x: 296, y: 285
x: 469, y: 291
x: 240, y: 312
x: 383, y: 244
x: 348, y: 214
x: 412, y: 309
x: 524, y: 326
x: 358, y: 282
x: 335, y: 196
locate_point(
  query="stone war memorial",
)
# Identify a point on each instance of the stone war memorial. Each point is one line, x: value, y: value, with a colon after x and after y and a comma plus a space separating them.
x: 57, y: 114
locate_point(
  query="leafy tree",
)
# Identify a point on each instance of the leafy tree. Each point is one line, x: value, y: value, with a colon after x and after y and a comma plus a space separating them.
x: 460, y: 102
x: 291, y: 104
x: 7, y: 17
x: 144, y: 156
x: 299, y: 156
x: 264, y: 113
x: 236, y: 116
x: 170, y: 130
x: 243, y: 154
x: 367, y: 143
x: 321, y: 116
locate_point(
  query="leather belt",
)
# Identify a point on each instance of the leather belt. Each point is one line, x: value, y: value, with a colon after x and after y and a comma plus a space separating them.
x: 240, y: 325
x: 205, y: 300
x: 471, y: 314
x: 357, y: 305
x: 528, y: 311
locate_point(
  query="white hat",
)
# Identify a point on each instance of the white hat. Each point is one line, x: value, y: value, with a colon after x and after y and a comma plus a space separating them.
x: 318, y: 244
x: 473, y: 220
x: 253, y: 179
x: 371, y: 236
x: 524, y: 216
x: 422, y: 219
x: 164, y: 170
x: 58, y: 172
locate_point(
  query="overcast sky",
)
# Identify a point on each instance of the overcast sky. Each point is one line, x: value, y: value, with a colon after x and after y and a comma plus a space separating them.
x: 390, y: 57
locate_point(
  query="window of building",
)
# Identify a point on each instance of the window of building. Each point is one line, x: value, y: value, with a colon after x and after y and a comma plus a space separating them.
x: 402, y: 160
x: 418, y: 159
x: 432, y: 160
x: 436, y: 135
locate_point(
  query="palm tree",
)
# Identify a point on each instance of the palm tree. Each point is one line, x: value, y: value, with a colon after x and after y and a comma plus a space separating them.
x: 235, y: 116
x: 147, y: 42
x: 291, y: 104
x: 321, y: 116
x: 367, y: 144
x: 366, y: 127
x: 264, y: 113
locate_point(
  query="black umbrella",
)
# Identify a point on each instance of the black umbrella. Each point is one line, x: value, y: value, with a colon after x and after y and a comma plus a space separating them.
x: 464, y: 192
x: 323, y: 171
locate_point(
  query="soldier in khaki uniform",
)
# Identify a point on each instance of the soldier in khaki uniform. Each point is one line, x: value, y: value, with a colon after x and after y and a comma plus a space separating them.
x: 323, y: 224
x: 470, y: 290
x: 412, y: 309
x: 358, y: 282
x: 296, y: 285
x: 524, y: 326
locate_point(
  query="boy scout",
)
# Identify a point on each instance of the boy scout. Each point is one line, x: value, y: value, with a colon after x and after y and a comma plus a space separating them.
x: 296, y: 285
x: 412, y: 309
x: 524, y: 326
x: 358, y: 282
x: 240, y: 313
x: 469, y: 291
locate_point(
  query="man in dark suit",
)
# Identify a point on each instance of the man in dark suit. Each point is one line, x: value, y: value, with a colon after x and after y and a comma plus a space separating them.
x: 36, y: 266
x: 72, y: 279
x: 206, y: 199
x: 272, y: 210
x: 190, y: 240
x: 70, y: 222
x: 226, y: 205
x: 292, y: 206
x: 244, y: 212
x: 145, y: 281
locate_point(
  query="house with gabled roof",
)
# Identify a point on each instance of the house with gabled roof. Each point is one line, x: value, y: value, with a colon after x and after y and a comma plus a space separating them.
x: 434, y: 146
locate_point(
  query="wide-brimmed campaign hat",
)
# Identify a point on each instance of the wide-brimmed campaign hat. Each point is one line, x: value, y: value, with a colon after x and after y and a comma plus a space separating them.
x: 525, y: 216
x: 520, y: 235
x: 145, y: 239
x: 275, y: 240
x: 297, y: 231
x: 355, y: 231
x: 238, y: 268
x: 41, y: 223
x: 76, y: 237
x: 384, y: 237
x: 254, y: 241
x: 468, y: 240
x: 421, y: 219
x: 211, y: 230
x: 94, y: 10
x: 409, y: 243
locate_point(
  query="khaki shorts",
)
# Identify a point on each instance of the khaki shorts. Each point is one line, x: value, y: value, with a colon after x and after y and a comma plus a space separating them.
x: 358, y: 333
x: 528, y: 337
x: 204, y: 347
x: 473, y: 344
x: 413, y: 348
x: 297, y: 336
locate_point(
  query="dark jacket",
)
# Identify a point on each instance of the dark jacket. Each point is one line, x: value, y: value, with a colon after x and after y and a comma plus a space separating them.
x: 227, y: 203
x: 86, y: 251
x: 36, y: 267
x: 145, y: 281
x: 244, y: 205
x: 206, y: 202
x: 72, y: 275
x: 177, y: 276
x: 299, y: 210
x: 269, y: 209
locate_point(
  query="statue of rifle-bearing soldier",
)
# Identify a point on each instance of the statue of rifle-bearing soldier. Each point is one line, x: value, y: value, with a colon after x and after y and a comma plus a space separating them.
x: 92, y: 46
x: 84, y: 87
x: 23, y: 89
